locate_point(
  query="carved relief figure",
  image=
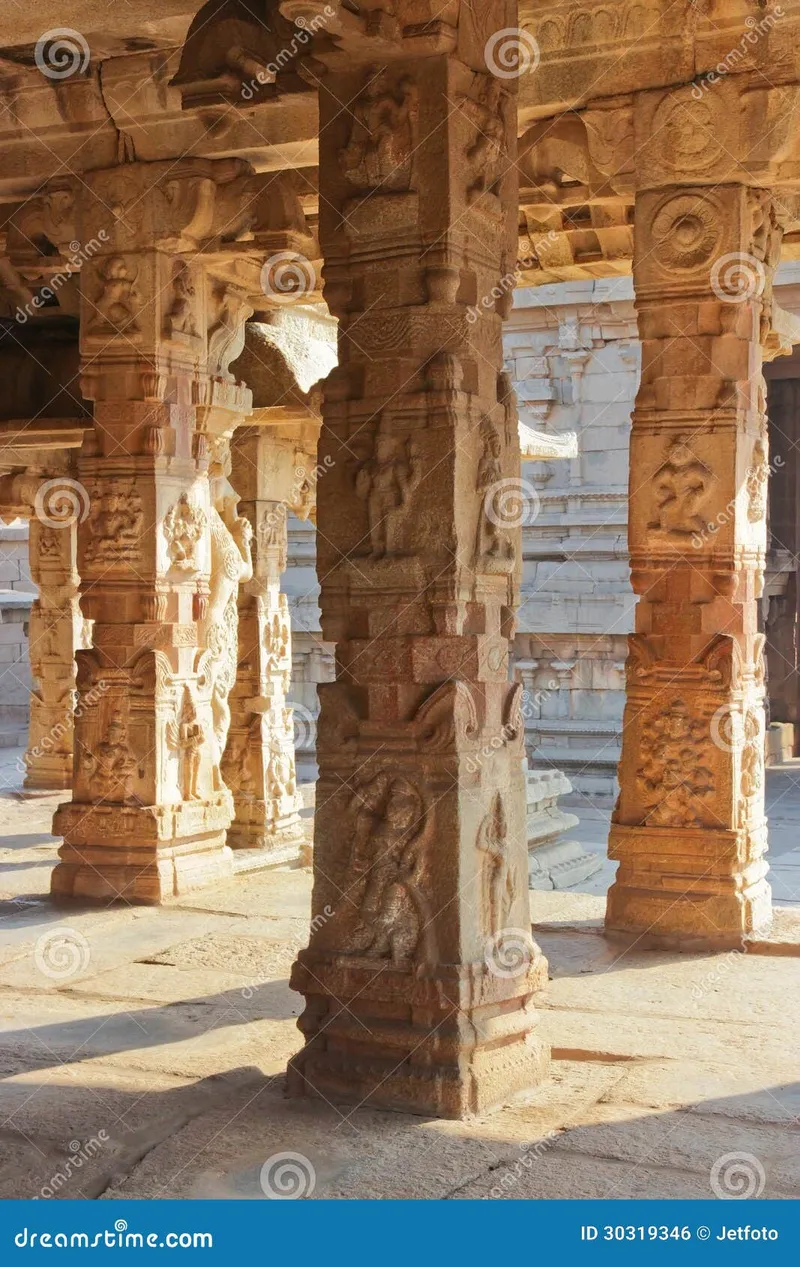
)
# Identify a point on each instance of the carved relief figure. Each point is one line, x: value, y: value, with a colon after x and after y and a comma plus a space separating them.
x: 494, y: 549
x: 385, y: 482
x: 387, y: 858
x: 752, y: 755
x: 187, y: 737
x: 184, y: 525
x: 498, y: 884
x: 111, y: 766
x: 381, y: 144
x: 115, y: 524
x: 674, y: 774
x: 486, y: 155
x: 181, y: 316
x: 236, y: 767
x: 680, y: 486
x: 757, y: 480
x: 119, y: 298
x: 231, y: 564
x: 281, y: 778
x: 277, y: 636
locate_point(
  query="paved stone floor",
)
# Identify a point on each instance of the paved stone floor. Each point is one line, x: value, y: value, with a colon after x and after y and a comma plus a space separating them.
x: 144, y: 1055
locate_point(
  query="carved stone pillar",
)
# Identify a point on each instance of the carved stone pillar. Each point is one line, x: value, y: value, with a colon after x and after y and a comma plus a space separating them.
x: 689, y: 828
x: 259, y: 764
x: 420, y: 858
x: 162, y: 550
x: 56, y: 631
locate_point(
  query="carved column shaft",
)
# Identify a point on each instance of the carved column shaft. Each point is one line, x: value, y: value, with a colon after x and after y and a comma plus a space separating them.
x: 160, y: 552
x: 420, y: 850
x: 57, y: 630
x: 259, y: 765
x: 689, y: 829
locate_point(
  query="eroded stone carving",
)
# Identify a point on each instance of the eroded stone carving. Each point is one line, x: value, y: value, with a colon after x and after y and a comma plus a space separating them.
x: 680, y: 486
x: 184, y: 525
x: 385, y: 482
x: 675, y: 773
x: 111, y: 766
x: 388, y: 862
x: 499, y: 886
x: 115, y: 523
x: 381, y: 145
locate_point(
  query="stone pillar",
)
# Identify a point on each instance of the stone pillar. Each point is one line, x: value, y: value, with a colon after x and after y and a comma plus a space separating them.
x: 161, y: 551
x: 689, y: 828
x: 259, y: 764
x: 57, y: 630
x: 420, y: 861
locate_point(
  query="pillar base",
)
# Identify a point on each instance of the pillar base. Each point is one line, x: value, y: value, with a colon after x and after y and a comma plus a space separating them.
x: 284, y: 838
x: 697, y: 899
x: 53, y: 778
x: 449, y: 1044
x: 121, y: 853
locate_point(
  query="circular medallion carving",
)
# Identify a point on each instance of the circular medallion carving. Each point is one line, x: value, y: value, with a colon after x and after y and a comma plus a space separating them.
x: 687, y: 129
x: 686, y: 231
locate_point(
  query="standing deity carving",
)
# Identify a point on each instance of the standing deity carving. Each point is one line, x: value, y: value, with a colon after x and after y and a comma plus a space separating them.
x: 680, y: 486
x: 388, y: 859
x: 385, y: 482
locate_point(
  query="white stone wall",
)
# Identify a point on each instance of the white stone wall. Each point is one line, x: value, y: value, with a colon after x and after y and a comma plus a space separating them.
x: 17, y: 592
x: 573, y: 354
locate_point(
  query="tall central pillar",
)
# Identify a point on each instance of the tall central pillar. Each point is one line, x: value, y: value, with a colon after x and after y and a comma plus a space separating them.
x: 420, y: 972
